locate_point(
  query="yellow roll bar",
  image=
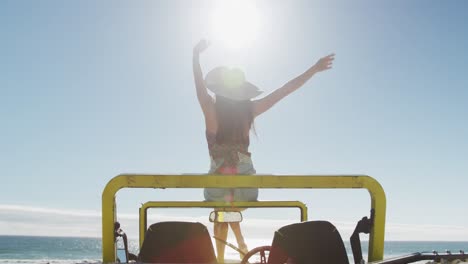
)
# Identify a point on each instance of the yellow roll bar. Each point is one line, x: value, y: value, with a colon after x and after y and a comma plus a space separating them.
x: 377, y: 194
x: 204, y: 204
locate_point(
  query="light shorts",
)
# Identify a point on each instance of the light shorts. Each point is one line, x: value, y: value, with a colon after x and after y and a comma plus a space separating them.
x: 245, y: 167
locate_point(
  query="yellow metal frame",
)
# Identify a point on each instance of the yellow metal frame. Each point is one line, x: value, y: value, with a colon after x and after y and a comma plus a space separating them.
x: 377, y: 194
x: 203, y: 204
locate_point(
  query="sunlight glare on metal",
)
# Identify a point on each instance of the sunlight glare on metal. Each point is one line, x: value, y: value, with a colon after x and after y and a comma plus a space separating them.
x: 235, y: 23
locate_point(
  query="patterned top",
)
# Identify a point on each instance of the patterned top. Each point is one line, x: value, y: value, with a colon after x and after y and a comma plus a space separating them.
x: 227, y: 154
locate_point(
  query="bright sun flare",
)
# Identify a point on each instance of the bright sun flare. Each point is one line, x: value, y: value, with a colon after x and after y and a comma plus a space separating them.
x: 235, y: 23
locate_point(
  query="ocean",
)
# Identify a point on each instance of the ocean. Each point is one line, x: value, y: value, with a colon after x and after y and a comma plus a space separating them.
x: 42, y: 250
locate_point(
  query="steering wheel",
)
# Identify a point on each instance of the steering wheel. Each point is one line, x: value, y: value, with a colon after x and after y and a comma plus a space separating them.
x: 248, y: 255
x: 261, y: 250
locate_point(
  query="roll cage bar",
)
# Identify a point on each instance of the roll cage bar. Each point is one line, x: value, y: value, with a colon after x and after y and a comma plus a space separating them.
x: 377, y: 195
x: 143, y: 216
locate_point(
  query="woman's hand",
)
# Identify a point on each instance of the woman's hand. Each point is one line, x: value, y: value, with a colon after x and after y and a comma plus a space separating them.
x: 324, y: 63
x: 201, y: 46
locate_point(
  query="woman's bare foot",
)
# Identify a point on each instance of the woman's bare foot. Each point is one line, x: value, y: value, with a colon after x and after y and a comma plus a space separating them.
x: 243, y: 248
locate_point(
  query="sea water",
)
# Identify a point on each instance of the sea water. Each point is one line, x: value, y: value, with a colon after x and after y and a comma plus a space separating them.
x: 35, y: 250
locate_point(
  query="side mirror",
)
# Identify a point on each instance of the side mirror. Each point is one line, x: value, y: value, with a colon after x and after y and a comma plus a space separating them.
x: 225, y: 217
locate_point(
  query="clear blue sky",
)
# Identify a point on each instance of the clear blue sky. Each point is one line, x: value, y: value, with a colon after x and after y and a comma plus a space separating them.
x: 92, y: 89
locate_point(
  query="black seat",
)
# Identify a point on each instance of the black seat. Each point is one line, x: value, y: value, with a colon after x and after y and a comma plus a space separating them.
x: 177, y: 242
x: 308, y: 242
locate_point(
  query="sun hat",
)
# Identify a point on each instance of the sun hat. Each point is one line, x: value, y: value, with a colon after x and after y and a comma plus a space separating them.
x: 230, y: 83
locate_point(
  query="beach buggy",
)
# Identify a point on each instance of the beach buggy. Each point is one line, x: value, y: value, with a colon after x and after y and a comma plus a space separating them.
x: 302, y: 242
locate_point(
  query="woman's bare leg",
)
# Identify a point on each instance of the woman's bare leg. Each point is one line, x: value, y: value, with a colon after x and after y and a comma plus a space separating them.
x: 220, y: 231
x: 239, y: 237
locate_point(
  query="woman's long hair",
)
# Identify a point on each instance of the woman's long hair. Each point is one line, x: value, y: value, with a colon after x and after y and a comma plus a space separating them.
x: 235, y: 118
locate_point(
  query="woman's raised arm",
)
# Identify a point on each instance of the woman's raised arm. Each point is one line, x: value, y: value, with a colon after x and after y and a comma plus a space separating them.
x: 205, y: 100
x: 263, y: 104
x: 203, y: 97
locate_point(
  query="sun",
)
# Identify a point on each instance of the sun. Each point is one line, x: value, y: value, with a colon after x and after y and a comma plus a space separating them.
x: 235, y: 23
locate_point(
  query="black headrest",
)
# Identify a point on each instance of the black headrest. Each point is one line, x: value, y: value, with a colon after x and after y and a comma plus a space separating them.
x: 177, y: 242
x: 308, y: 242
